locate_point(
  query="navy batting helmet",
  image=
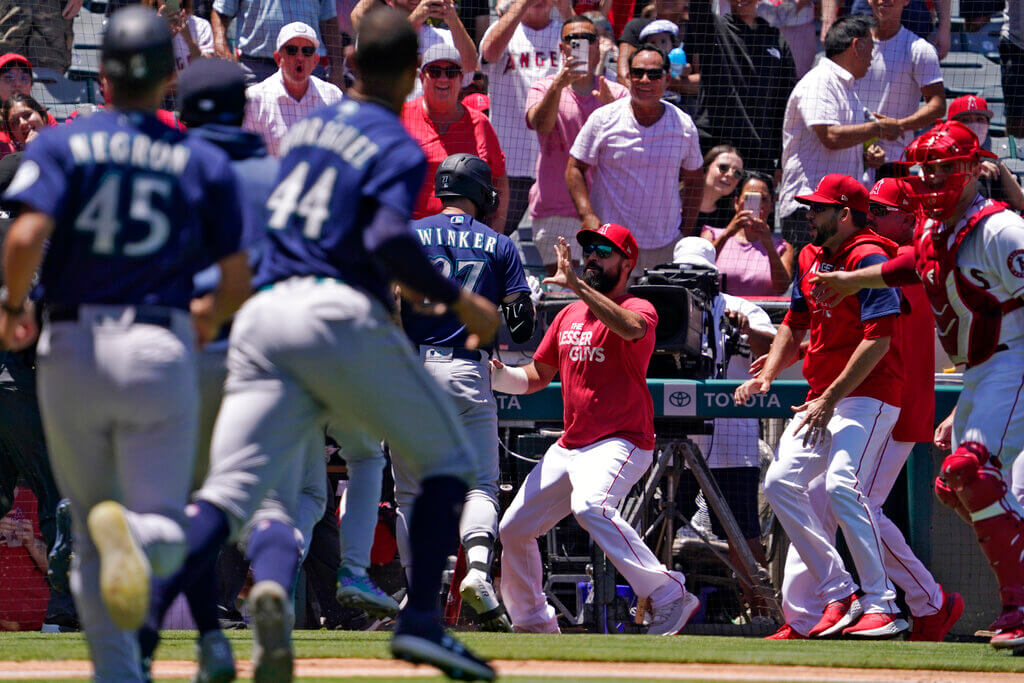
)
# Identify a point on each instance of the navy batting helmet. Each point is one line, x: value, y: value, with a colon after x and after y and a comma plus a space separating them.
x: 465, y: 175
x: 137, y: 48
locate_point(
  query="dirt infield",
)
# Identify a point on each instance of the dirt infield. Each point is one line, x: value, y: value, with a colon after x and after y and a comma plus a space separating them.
x: 381, y: 668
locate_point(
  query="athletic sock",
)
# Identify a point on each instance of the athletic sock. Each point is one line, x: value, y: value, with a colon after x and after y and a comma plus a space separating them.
x: 479, y: 549
x: 433, y: 536
x: 273, y: 553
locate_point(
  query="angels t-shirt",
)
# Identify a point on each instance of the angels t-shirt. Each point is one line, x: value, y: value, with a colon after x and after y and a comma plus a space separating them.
x: 604, y: 377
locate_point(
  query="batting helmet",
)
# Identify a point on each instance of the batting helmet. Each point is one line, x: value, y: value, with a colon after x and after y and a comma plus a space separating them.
x: 137, y: 48
x: 465, y: 175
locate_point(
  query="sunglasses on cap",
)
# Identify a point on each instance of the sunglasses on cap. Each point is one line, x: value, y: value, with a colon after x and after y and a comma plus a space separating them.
x: 638, y: 74
x: 880, y: 210
x: 592, y: 37
x: 292, y: 50
x: 603, y: 250
x: 435, y: 71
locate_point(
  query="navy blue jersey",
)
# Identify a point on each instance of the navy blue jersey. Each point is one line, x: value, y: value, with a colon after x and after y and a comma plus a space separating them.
x: 138, y: 208
x: 339, y: 166
x: 473, y: 255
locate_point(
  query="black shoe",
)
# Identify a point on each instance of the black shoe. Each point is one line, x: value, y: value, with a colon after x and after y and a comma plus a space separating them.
x: 429, y: 644
x: 59, y: 558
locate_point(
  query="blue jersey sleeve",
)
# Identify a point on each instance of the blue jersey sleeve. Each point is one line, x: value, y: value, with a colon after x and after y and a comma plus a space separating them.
x: 797, y: 302
x: 514, y: 276
x: 223, y: 212
x: 877, y: 303
x: 41, y: 180
x: 396, y: 177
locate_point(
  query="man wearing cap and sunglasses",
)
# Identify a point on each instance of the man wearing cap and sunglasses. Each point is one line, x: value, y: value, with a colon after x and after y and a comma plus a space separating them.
x: 854, y: 369
x: 293, y: 91
x: 600, y: 346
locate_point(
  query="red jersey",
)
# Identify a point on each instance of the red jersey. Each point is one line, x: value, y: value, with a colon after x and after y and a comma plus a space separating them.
x: 917, y: 332
x: 604, y: 377
x: 836, y: 331
x: 472, y: 134
x: 23, y: 589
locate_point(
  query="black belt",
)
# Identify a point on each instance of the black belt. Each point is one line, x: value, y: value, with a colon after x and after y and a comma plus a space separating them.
x: 145, y: 315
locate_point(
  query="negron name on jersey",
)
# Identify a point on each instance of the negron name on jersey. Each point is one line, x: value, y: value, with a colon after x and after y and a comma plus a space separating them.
x: 457, y: 239
x: 142, y: 151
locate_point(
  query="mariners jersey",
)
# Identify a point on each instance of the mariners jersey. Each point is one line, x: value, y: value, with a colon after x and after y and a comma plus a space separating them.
x: 476, y: 257
x: 139, y: 208
x: 338, y: 166
x: 837, y: 330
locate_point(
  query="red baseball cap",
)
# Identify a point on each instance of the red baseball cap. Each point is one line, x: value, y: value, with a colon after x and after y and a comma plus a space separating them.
x: 15, y: 57
x: 893, y: 192
x: 618, y: 235
x: 968, y: 104
x: 476, y: 101
x: 836, y: 188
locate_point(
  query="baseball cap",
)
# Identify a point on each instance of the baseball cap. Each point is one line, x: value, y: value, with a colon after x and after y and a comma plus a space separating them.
x: 442, y: 52
x: 14, y: 59
x: 211, y: 91
x: 659, y: 26
x: 476, y: 101
x: 296, y: 29
x: 836, y: 188
x: 694, y: 251
x: 892, y: 192
x: 968, y: 104
x: 617, y: 234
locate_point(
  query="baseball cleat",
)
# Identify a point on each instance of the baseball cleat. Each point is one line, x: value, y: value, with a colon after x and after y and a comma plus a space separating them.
x: 934, y: 627
x: 58, y: 561
x: 271, y: 633
x: 1012, y: 638
x: 124, y: 569
x: 478, y: 593
x: 787, y: 632
x: 669, y: 619
x: 360, y: 592
x: 838, y: 615
x: 539, y: 627
x: 213, y: 653
x: 877, y: 626
x: 429, y: 644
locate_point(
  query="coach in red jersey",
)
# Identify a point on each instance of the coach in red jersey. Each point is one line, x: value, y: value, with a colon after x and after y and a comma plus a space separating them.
x: 856, y: 381
x: 601, y: 346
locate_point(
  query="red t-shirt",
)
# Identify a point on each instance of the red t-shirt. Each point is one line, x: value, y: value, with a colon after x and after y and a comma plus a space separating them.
x: 472, y: 134
x: 23, y: 589
x: 836, y: 331
x: 604, y: 377
x: 917, y: 414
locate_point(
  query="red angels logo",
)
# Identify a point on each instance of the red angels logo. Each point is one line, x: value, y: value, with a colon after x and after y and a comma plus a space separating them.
x: 1015, y: 262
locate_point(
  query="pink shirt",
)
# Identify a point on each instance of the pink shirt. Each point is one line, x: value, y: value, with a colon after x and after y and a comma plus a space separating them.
x: 748, y: 272
x: 604, y: 377
x: 549, y: 195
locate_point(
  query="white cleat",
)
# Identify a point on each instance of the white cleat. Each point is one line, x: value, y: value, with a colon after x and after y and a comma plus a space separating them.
x: 124, y: 569
x: 272, y: 654
x: 478, y: 593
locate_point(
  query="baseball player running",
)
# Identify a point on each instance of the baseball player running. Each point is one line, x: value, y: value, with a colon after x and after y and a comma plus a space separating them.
x: 132, y: 210
x: 969, y: 255
x: 855, y: 374
x: 934, y: 611
x: 601, y: 347
x: 317, y: 344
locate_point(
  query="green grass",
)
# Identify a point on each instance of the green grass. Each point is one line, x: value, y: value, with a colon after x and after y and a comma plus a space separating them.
x: 609, y: 648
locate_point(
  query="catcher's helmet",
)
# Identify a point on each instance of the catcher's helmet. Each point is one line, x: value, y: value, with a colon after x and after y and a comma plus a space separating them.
x: 137, y: 48
x: 465, y: 175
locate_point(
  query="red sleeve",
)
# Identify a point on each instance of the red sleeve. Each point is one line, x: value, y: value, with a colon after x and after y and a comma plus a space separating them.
x: 495, y: 156
x: 880, y: 327
x: 900, y: 271
x: 795, y: 320
x: 645, y: 309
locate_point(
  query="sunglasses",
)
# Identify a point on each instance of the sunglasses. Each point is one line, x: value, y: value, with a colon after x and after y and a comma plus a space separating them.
x: 292, y: 50
x: 592, y: 37
x: 821, y: 208
x: 726, y: 169
x: 881, y: 209
x: 653, y: 74
x: 435, y: 71
x: 603, y: 250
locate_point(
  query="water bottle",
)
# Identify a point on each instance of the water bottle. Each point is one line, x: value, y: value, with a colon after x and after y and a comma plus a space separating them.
x: 677, y: 61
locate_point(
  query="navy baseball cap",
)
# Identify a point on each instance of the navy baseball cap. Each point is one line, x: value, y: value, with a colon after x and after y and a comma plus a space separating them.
x: 211, y: 91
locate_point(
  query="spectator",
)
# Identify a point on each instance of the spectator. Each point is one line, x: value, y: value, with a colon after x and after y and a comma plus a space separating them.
x: 39, y: 29
x: 23, y: 118
x: 640, y: 149
x: 795, y: 21
x: 754, y: 261
x: 997, y: 181
x: 1011, y: 62
x: 291, y: 93
x: 442, y: 126
x: 259, y: 21
x: 825, y: 125
x: 915, y: 16
x: 517, y: 51
x: 609, y: 58
x: 15, y: 75
x: 723, y: 170
x: 557, y: 108
x: 23, y: 590
x: 629, y: 39
x: 746, y: 74
x: 904, y: 68
x: 196, y: 41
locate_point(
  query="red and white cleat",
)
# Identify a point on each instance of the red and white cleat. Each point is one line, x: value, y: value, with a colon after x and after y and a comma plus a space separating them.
x: 786, y: 633
x: 838, y: 615
x: 934, y: 627
x: 1008, y: 639
x: 877, y: 626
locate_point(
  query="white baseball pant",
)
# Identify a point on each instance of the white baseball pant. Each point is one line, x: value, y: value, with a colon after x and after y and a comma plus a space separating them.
x: 848, y: 458
x: 803, y: 605
x: 588, y: 483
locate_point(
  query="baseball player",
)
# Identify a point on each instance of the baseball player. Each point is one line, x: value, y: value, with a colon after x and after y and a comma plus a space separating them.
x: 132, y: 210
x: 855, y: 374
x: 317, y: 344
x: 969, y: 255
x: 601, y: 347
x: 934, y: 611
x: 464, y: 248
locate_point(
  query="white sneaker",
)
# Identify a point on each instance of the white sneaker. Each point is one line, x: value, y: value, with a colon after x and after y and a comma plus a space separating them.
x: 271, y: 633
x: 478, y: 593
x: 672, y: 611
x: 124, y: 569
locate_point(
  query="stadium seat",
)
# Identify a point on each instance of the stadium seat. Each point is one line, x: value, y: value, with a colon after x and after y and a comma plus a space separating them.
x: 966, y: 73
x: 50, y: 88
x: 983, y: 42
x: 85, y: 50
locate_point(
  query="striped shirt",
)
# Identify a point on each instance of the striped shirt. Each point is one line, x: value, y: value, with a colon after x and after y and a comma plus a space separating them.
x: 271, y: 110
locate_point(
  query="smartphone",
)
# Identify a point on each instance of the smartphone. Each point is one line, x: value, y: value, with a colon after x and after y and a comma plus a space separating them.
x: 752, y: 202
x: 580, y: 53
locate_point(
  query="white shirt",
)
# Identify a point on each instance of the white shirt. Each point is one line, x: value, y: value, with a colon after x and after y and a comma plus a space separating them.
x: 900, y: 67
x: 636, y: 168
x: 1013, y: 22
x: 202, y: 34
x: 530, y: 56
x: 271, y: 110
x: 825, y: 96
